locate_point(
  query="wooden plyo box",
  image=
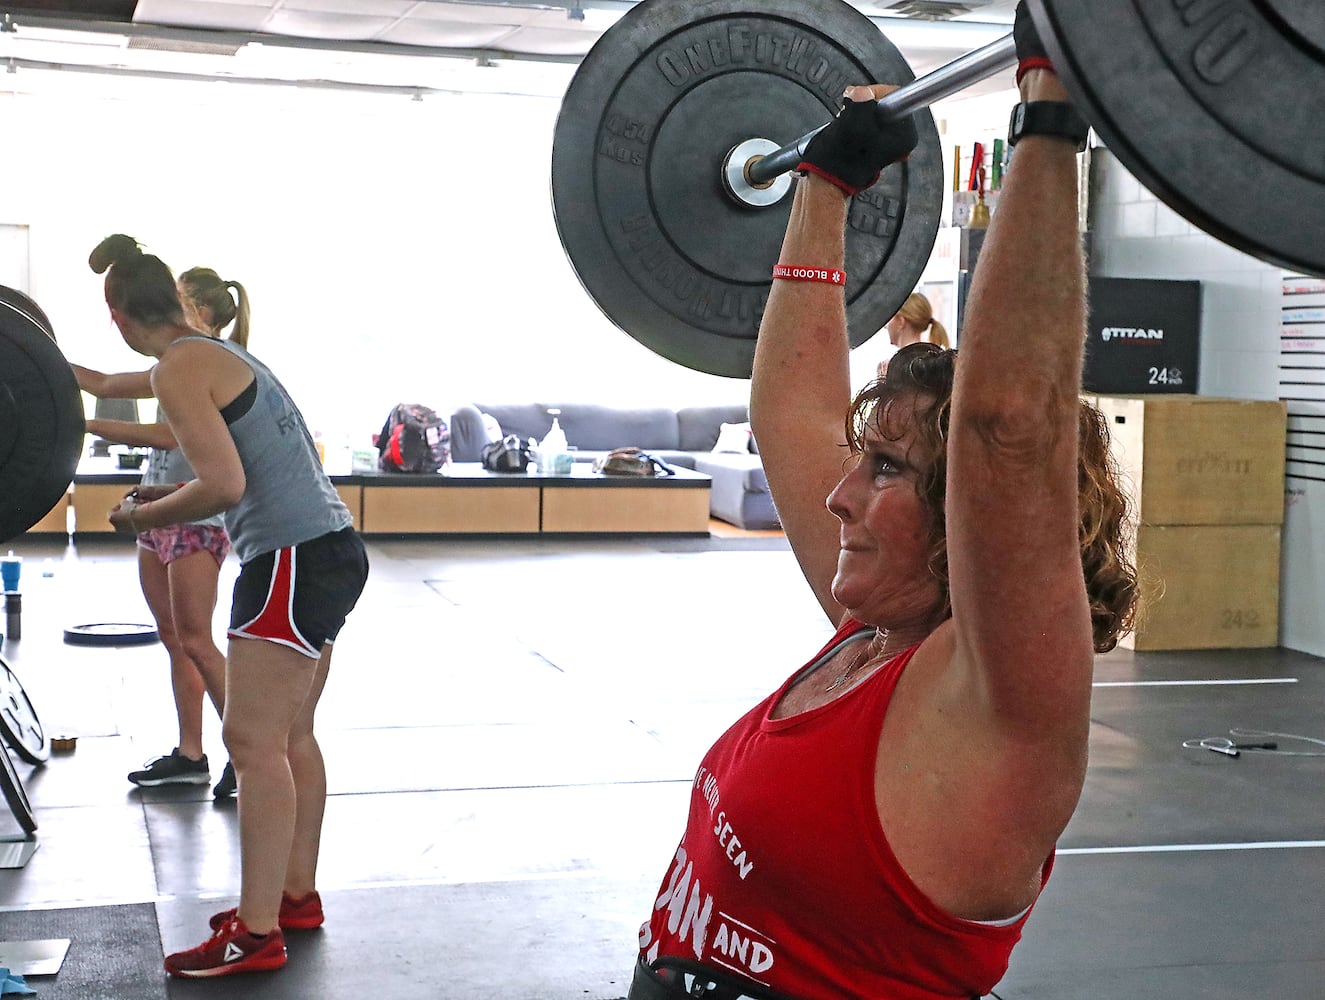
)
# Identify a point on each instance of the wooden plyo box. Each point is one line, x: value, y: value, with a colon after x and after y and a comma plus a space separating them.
x: 1206, y: 587
x: 1200, y: 459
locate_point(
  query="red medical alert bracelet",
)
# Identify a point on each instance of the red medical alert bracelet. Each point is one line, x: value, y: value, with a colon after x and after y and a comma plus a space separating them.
x: 830, y: 276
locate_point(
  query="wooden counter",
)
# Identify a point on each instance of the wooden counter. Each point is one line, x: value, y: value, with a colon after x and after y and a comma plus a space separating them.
x: 464, y: 499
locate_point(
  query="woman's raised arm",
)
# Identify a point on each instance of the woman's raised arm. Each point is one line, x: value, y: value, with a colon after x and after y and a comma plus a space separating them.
x: 1019, y: 604
x: 801, y: 385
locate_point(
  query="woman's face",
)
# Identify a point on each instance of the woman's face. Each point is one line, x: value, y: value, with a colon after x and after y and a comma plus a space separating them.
x: 895, y: 327
x: 196, y: 316
x: 883, y: 575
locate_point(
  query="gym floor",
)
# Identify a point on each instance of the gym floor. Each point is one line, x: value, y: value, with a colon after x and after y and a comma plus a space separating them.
x: 511, y: 728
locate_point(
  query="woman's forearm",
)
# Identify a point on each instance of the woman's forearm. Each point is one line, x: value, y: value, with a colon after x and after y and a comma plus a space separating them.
x: 194, y: 501
x: 135, y: 435
x: 121, y: 385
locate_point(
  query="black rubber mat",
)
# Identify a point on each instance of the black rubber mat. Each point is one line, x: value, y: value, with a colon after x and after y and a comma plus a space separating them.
x: 114, y: 951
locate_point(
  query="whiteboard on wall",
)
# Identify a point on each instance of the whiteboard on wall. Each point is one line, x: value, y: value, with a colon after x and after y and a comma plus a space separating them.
x: 14, y: 256
x: 1302, y: 388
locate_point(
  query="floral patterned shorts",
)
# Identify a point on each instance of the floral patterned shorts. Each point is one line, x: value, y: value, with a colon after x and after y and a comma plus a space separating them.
x: 178, y: 540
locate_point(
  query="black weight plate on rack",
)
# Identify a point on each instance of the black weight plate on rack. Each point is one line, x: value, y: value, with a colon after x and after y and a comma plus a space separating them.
x: 637, y: 157
x: 110, y: 634
x: 16, y: 798
x: 24, y: 303
x: 41, y: 422
x: 1213, y: 106
x: 19, y: 725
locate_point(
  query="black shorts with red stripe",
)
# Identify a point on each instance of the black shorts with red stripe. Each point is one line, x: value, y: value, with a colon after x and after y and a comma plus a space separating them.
x: 299, y: 596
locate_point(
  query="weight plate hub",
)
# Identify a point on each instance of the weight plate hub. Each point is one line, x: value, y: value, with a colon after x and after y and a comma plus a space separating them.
x: 1214, y: 105
x: 637, y: 170
x: 41, y: 422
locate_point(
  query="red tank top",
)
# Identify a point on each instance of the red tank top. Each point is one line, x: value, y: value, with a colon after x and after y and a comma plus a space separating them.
x: 785, y: 877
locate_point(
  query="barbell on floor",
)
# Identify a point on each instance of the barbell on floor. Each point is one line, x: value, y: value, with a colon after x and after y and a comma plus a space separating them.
x: 670, y: 198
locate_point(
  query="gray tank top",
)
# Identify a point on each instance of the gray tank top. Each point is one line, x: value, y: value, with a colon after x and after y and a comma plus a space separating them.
x: 170, y: 466
x: 288, y: 498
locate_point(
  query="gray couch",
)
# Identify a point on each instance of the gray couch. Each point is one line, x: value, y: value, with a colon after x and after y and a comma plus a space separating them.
x: 684, y: 437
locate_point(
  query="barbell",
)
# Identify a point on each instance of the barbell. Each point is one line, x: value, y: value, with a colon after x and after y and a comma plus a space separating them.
x: 669, y: 183
x: 669, y: 189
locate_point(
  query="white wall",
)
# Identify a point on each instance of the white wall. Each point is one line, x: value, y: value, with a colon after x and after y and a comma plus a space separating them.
x: 1136, y: 236
x: 395, y: 250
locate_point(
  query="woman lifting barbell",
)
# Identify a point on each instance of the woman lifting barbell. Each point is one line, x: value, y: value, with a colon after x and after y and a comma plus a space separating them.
x: 303, y: 567
x: 882, y: 825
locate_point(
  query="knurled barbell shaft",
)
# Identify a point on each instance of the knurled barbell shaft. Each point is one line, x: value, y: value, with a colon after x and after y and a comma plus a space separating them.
x: 943, y: 82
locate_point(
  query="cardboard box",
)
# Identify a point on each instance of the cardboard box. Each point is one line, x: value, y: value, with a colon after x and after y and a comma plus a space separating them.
x: 1207, y: 587
x: 1200, y: 459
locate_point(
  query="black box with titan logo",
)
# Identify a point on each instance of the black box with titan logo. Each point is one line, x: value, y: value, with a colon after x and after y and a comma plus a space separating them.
x: 1143, y: 336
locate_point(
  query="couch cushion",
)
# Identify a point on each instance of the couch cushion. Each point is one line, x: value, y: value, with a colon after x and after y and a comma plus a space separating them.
x: 747, y: 470
x: 733, y: 439
x: 590, y: 427
x: 698, y: 425
x: 468, y: 435
x: 739, y: 491
x: 525, y: 420
x: 602, y: 428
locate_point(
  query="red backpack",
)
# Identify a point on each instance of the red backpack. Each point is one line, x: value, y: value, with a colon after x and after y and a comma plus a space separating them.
x: 413, y: 439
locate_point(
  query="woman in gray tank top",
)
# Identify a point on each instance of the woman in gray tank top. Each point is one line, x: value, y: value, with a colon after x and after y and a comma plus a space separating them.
x: 302, y: 570
x: 179, y: 565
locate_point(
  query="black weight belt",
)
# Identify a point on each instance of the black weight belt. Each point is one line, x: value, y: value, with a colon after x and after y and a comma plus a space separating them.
x: 679, y: 979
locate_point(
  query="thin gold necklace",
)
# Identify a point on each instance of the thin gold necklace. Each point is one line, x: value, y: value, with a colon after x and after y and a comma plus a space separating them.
x: 857, y: 661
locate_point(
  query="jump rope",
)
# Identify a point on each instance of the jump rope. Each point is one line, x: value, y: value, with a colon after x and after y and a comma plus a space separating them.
x: 1256, y: 741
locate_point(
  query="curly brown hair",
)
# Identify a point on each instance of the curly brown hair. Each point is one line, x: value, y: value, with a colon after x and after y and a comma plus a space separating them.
x: 923, y: 374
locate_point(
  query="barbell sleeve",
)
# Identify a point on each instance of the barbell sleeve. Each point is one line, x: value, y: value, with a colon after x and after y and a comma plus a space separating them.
x: 957, y: 75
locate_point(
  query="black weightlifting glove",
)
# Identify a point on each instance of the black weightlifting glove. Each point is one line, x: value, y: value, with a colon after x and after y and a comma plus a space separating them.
x: 852, y: 150
x: 1031, y: 53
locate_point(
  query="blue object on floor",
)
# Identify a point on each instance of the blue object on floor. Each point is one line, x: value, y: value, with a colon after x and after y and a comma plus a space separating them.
x: 12, y: 984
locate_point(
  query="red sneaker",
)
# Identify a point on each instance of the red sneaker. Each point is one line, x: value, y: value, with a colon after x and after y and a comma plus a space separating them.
x: 230, y: 950
x: 295, y: 915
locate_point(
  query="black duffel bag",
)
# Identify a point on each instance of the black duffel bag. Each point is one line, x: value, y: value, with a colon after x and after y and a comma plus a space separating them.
x: 510, y: 454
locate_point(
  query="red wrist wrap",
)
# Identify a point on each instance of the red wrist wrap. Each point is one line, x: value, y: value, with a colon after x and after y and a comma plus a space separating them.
x: 795, y: 272
x: 1034, y: 62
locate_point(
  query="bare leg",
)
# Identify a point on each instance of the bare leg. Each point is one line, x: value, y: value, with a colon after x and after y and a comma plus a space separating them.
x: 192, y: 602
x: 267, y: 686
x: 185, y: 680
x: 310, y: 786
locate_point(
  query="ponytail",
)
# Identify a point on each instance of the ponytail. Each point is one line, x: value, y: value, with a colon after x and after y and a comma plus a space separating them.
x: 239, y: 335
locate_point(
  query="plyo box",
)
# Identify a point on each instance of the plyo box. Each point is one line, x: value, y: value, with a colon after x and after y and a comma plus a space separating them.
x: 1206, y: 587
x: 1199, y: 460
